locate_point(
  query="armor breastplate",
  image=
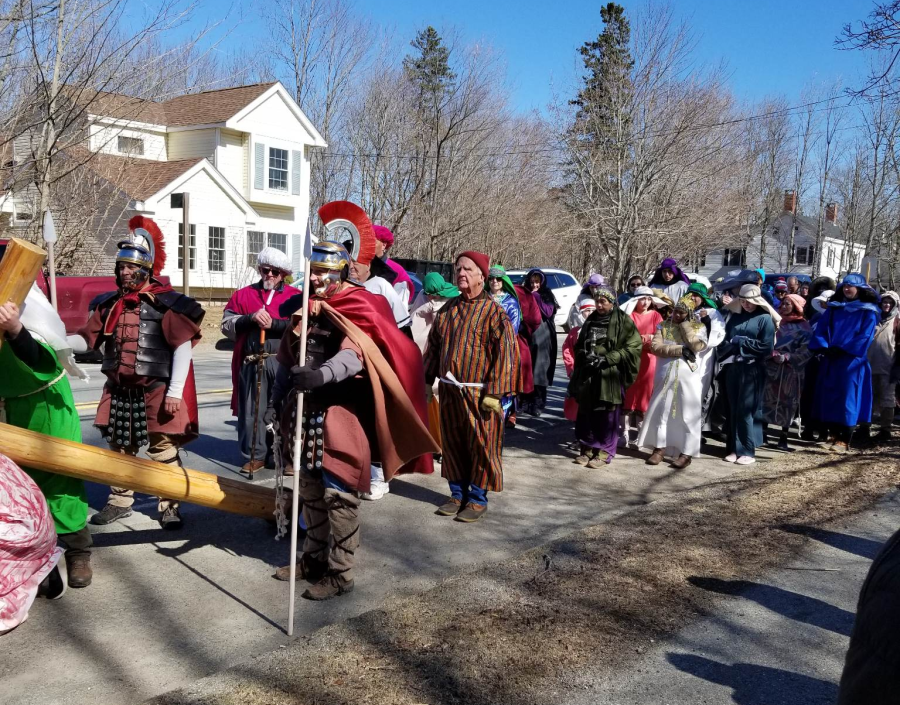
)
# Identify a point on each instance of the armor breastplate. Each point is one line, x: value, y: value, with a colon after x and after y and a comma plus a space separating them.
x: 153, y: 355
x: 322, y: 343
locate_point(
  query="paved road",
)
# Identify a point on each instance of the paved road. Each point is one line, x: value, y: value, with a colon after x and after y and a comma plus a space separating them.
x: 776, y: 640
x: 167, y: 608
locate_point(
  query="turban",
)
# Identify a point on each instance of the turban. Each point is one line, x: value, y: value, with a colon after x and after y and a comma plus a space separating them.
x: 273, y: 257
x: 382, y: 234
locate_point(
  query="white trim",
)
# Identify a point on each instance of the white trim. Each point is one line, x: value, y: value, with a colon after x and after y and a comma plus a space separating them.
x: 187, y: 128
x: 131, y: 124
x: 317, y: 139
x: 250, y: 214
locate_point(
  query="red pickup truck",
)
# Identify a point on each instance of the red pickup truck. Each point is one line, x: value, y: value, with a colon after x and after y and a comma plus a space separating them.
x: 74, y: 293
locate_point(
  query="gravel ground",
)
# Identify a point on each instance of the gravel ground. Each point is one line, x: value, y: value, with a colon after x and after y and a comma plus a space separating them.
x: 598, y: 598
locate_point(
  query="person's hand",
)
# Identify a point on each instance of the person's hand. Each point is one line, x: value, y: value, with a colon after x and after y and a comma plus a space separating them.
x: 702, y: 313
x: 687, y: 354
x: 727, y: 298
x: 307, y: 378
x: 647, y: 339
x: 262, y: 319
x: 172, y: 405
x: 596, y: 361
x: 9, y: 319
x: 738, y: 339
x: 269, y: 416
x: 492, y: 404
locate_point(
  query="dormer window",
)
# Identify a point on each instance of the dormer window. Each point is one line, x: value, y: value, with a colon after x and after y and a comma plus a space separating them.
x: 278, y: 169
x: 131, y: 145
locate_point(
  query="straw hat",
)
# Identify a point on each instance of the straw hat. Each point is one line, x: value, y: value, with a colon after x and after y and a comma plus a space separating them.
x: 751, y: 293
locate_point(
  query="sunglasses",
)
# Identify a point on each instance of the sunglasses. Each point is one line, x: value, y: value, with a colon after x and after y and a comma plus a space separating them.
x: 269, y: 270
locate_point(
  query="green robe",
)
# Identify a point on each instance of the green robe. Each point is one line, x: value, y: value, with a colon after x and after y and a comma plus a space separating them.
x: 51, y: 412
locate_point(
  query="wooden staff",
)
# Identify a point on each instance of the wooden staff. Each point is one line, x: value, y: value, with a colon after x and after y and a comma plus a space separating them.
x: 260, y: 371
x: 35, y: 450
x: 298, y: 449
x: 18, y: 269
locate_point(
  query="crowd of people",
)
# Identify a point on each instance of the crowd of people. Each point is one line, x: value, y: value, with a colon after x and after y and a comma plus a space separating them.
x: 390, y: 381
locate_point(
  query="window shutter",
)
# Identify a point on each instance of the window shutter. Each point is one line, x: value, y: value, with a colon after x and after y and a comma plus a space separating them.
x: 296, y: 158
x: 259, y: 166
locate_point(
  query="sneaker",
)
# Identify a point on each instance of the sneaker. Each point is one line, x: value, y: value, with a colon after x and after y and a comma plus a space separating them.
x: 582, y: 459
x: 78, y: 569
x: 595, y: 463
x: 745, y: 460
x: 376, y: 491
x: 308, y: 568
x: 170, y: 519
x: 329, y: 586
x: 472, y: 513
x: 53, y: 586
x: 730, y: 458
x: 109, y: 514
x: 449, y: 508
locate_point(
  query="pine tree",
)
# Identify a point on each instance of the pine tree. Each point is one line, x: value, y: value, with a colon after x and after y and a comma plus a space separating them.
x: 429, y: 69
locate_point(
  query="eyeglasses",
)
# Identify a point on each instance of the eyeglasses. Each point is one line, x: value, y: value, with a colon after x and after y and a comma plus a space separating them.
x: 269, y: 270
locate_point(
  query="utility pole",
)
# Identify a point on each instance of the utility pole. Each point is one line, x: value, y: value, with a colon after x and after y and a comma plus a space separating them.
x: 183, y: 201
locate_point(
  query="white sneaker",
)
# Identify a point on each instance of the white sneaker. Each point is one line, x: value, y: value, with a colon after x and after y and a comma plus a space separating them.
x: 378, y: 490
x: 730, y: 458
x: 745, y: 460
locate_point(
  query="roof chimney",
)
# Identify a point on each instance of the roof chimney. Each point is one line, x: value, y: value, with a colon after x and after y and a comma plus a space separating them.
x: 790, y: 201
x: 831, y: 213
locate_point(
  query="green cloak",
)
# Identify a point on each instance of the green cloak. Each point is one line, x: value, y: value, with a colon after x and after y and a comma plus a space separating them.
x: 50, y: 411
x: 593, y: 388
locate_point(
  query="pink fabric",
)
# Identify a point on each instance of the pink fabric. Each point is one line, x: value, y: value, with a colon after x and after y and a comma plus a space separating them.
x: 570, y: 406
x: 402, y: 276
x: 244, y: 302
x: 28, y: 550
x: 637, y: 396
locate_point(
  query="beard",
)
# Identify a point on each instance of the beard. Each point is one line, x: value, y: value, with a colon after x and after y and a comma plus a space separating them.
x: 268, y: 285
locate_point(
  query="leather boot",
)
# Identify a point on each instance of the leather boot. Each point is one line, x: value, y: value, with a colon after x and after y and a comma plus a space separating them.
x: 78, y: 567
x: 682, y: 462
x: 332, y: 585
x: 656, y: 457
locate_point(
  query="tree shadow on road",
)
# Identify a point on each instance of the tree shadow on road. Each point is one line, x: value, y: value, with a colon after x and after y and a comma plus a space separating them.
x: 758, y: 685
x: 792, y: 605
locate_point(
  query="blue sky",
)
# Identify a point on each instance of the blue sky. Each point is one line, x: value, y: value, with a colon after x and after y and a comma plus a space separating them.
x: 770, y: 46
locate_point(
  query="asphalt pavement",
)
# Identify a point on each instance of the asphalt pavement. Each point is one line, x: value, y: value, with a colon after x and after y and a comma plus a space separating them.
x: 168, y: 608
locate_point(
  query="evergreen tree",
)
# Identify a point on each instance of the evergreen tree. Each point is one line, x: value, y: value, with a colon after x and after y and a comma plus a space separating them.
x: 429, y: 68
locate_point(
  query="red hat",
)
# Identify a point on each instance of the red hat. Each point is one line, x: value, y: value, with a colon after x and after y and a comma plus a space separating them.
x: 382, y: 234
x: 479, y: 258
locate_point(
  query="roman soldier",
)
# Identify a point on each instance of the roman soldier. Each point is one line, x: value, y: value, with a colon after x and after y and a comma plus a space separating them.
x: 365, y: 402
x: 146, y: 331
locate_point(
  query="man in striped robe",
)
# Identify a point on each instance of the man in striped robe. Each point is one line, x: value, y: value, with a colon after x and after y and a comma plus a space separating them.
x: 472, y: 349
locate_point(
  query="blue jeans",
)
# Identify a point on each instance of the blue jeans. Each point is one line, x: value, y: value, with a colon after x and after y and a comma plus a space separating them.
x: 471, y: 493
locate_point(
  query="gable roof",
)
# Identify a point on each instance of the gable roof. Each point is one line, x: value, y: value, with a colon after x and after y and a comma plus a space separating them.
x: 208, y: 107
x: 807, y: 226
x: 139, y: 178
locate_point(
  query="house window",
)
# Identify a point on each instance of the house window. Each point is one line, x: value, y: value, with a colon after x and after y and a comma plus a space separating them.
x: 193, y: 246
x: 278, y: 169
x: 216, y: 249
x: 256, y: 240
x: 733, y: 258
x: 131, y: 145
x: 830, y: 261
x: 805, y: 255
x: 278, y: 241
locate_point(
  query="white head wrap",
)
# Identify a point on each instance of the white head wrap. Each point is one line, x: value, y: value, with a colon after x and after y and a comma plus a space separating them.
x: 751, y: 293
x: 43, y: 322
x: 273, y: 257
x: 821, y: 301
x: 642, y: 292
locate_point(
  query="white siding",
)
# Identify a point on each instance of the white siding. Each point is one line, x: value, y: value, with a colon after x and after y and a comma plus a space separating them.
x: 274, y: 212
x: 105, y: 139
x: 192, y: 143
x: 230, y: 158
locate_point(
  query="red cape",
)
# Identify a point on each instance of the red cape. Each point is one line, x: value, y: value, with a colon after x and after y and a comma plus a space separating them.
x: 373, y: 316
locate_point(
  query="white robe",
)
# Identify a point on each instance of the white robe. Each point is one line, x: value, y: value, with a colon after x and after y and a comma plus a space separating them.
x: 674, y: 420
x: 707, y: 357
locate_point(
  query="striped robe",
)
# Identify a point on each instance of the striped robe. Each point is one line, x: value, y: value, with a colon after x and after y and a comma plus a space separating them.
x: 474, y: 341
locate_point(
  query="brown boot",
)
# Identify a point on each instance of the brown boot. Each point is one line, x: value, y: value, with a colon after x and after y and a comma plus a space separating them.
x: 449, y: 508
x: 656, y: 457
x: 332, y: 585
x: 252, y: 466
x: 79, y: 570
x: 682, y: 462
x: 308, y: 568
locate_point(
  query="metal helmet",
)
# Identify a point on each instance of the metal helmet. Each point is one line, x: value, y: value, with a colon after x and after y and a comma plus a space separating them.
x: 331, y: 264
x: 143, y: 247
x: 347, y: 224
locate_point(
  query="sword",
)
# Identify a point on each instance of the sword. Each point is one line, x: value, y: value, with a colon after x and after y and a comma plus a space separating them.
x: 260, y: 371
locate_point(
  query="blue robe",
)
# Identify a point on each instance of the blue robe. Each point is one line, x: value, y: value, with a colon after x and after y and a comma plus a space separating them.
x: 843, y: 335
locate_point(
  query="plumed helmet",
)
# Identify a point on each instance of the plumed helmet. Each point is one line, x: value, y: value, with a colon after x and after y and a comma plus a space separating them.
x: 144, y: 246
x: 331, y: 263
x: 347, y: 224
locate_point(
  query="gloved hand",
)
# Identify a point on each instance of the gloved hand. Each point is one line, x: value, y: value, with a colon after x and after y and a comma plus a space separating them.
x: 307, y: 378
x: 269, y: 416
x: 596, y: 361
x: 687, y: 354
x: 492, y: 404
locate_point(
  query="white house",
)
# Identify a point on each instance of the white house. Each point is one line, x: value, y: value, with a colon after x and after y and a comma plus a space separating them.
x: 835, y: 257
x: 243, y: 155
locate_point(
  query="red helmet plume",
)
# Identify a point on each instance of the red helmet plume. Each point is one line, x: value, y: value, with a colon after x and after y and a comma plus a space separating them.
x: 142, y: 225
x: 346, y: 223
